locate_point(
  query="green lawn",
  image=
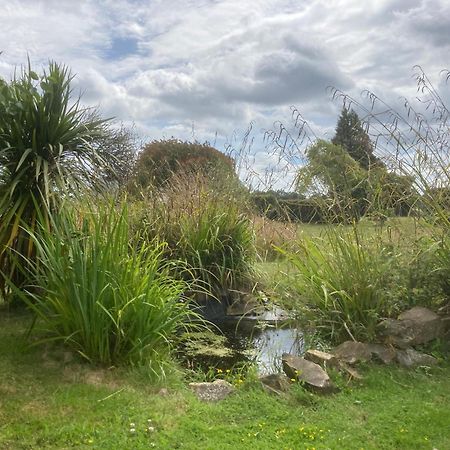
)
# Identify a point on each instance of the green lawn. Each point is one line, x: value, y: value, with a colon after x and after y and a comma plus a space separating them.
x: 50, y: 401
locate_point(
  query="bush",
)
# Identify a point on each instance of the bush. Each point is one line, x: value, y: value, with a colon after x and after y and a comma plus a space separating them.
x: 206, y: 229
x: 160, y: 160
x: 106, y: 300
x: 341, y: 283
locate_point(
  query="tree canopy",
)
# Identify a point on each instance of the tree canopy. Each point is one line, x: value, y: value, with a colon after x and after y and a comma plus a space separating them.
x: 351, y: 135
x: 353, y: 180
x: 161, y: 159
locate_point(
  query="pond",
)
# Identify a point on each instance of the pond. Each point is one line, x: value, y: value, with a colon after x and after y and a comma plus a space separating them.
x: 240, y: 340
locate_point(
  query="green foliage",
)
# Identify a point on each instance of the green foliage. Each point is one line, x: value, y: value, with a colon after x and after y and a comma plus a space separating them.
x: 288, y: 207
x: 391, y: 194
x: 332, y: 172
x: 206, y: 229
x: 160, y: 160
x: 106, y: 300
x: 341, y: 283
x: 64, y: 408
x: 351, y: 136
x: 46, y: 146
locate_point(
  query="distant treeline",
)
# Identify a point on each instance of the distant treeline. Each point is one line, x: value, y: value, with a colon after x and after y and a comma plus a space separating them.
x: 294, y: 207
x: 289, y: 207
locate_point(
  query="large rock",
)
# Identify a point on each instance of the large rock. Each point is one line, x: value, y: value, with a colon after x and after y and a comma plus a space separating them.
x: 276, y: 383
x: 322, y: 358
x: 411, y: 358
x: 351, y: 352
x: 382, y: 353
x: 212, y: 392
x: 309, y: 373
x: 416, y: 326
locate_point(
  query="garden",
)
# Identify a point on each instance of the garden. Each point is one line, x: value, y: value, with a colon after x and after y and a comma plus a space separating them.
x: 150, y: 298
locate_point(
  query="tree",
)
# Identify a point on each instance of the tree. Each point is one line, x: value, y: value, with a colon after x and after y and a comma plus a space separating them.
x: 332, y: 172
x: 160, y: 160
x: 353, y: 138
x: 121, y: 145
x: 47, y: 151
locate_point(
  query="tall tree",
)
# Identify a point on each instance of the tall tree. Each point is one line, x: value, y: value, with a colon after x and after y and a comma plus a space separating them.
x: 333, y: 173
x: 351, y: 135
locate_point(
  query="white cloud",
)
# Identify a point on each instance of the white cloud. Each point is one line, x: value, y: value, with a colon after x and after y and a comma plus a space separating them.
x: 174, y: 65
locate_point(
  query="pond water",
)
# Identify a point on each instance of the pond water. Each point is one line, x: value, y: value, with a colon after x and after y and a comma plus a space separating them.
x: 247, y: 340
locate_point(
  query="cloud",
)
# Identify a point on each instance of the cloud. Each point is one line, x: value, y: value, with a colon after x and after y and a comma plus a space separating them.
x: 205, y: 68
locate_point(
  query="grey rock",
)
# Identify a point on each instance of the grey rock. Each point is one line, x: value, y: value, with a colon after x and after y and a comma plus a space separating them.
x: 311, y: 374
x: 276, y: 383
x: 212, y: 392
x: 411, y: 358
x: 395, y: 332
x: 416, y: 326
x: 351, y: 352
x: 322, y: 358
x: 351, y: 372
x: 382, y: 353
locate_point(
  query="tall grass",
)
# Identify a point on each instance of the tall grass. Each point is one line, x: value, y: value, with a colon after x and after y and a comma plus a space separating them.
x: 207, y: 229
x: 340, y: 283
x: 106, y: 300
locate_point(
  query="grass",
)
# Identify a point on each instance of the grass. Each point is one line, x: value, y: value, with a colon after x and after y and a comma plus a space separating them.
x: 107, y: 301
x: 52, y: 404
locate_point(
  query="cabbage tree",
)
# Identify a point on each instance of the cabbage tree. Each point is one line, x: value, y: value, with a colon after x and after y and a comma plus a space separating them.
x: 47, y: 152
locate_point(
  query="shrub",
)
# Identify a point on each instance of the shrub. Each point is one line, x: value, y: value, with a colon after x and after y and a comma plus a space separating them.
x: 106, y: 300
x: 160, y: 160
x: 341, y: 283
x: 205, y: 228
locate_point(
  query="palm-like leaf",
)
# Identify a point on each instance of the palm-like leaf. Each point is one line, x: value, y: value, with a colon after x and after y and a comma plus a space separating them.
x: 47, y: 145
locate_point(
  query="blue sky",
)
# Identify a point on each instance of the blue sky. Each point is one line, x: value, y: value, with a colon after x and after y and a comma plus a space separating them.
x: 208, y: 68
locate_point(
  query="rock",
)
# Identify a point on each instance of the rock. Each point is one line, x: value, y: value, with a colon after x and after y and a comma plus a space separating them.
x: 416, y: 326
x: 382, y: 353
x: 411, y: 358
x: 212, y: 392
x: 276, y: 383
x: 352, y: 352
x: 444, y: 310
x: 395, y: 332
x: 322, y: 358
x: 311, y: 374
x: 350, y: 371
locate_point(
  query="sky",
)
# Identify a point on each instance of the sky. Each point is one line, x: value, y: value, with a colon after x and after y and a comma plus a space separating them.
x: 207, y: 69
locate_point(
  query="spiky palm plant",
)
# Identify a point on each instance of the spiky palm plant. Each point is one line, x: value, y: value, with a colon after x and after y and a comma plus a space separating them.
x: 46, y: 148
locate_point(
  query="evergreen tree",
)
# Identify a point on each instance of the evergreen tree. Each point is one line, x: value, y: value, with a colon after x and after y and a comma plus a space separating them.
x: 351, y: 135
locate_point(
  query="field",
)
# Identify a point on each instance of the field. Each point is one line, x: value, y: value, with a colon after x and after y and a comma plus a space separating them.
x: 50, y: 400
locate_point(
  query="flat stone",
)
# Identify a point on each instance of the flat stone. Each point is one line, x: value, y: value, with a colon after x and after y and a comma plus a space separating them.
x: 416, y: 326
x: 411, y: 358
x: 310, y: 374
x: 276, y: 383
x: 212, y: 392
x: 419, y: 314
x: 352, y: 352
x: 350, y: 371
x: 382, y: 353
x: 322, y: 358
